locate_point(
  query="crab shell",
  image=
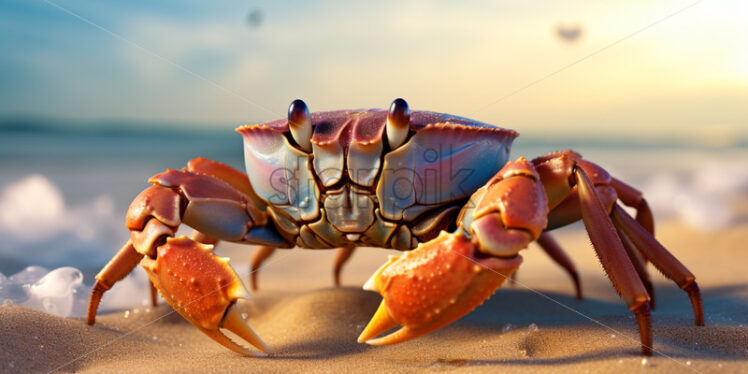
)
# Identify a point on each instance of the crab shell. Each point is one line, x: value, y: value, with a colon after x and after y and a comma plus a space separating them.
x: 355, y: 188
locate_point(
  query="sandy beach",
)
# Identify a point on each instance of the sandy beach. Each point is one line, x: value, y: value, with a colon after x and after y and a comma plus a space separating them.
x: 536, y: 325
x: 98, y: 97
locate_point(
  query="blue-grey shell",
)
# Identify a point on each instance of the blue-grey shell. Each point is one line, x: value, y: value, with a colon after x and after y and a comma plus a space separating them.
x: 353, y: 190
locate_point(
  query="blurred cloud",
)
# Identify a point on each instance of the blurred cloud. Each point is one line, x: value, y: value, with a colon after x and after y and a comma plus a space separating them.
x: 255, y: 18
x: 569, y: 33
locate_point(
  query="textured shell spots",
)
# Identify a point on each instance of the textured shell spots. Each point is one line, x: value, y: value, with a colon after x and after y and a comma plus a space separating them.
x: 198, y: 283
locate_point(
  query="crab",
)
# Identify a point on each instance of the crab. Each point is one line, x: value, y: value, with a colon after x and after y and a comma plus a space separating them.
x: 439, y: 187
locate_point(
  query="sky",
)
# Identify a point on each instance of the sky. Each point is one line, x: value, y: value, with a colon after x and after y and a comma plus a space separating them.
x: 640, y: 70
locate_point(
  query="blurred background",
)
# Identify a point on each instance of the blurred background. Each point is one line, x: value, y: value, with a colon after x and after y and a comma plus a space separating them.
x: 97, y: 96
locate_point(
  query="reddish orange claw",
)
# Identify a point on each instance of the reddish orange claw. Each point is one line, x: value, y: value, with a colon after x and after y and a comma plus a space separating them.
x: 432, y: 286
x: 204, y: 289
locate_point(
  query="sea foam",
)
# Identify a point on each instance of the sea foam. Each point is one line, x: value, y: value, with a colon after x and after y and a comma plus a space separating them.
x: 62, y: 291
x: 703, y: 198
x: 38, y: 227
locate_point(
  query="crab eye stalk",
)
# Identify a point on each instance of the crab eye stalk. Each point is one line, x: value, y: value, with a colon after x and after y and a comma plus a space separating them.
x: 300, y: 123
x: 398, y: 123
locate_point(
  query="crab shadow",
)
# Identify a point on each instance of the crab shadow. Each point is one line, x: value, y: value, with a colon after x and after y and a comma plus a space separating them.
x: 725, y: 307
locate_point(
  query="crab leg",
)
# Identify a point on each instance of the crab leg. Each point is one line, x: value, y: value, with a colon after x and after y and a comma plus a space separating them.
x: 622, y: 243
x: 202, y: 238
x: 341, y: 257
x: 635, y: 199
x: 513, y: 278
x: 640, y: 264
x: 557, y: 168
x: 118, y: 267
x: 200, y: 286
x: 233, y: 177
x: 661, y: 258
x: 154, y: 293
x: 613, y: 256
x: 554, y: 251
x: 261, y: 254
x: 557, y: 254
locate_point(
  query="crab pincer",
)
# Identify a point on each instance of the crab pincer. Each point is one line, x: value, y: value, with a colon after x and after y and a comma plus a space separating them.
x: 204, y: 289
x: 449, y: 276
x: 432, y: 286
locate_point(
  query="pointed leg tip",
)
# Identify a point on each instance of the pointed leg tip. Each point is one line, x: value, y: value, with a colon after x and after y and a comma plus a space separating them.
x: 375, y: 341
x: 265, y: 350
x: 402, y: 335
x: 380, y: 322
x: 97, y: 291
x: 336, y: 280
x: 370, y: 332
x: 385, y: 340
x: 578, y: 291
x: 225, y: 341
x: 253, y: 280
x: 234, y: 322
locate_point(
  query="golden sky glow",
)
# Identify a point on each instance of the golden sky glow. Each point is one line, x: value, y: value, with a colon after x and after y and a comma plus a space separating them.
x: 685, y: 77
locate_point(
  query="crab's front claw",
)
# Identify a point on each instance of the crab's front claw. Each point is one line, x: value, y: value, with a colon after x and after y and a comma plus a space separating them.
x: 432, y: 286
x: 204, y: 289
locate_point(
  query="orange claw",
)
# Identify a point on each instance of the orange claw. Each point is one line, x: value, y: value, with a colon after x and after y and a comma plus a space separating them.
x: 432, y: 286
x: 204, y: 289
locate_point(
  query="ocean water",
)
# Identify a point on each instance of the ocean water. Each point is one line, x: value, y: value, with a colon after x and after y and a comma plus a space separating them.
x: 64, y: 192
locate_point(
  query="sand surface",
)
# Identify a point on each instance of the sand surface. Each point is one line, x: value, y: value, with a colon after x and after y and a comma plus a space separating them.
x: 313, y: 327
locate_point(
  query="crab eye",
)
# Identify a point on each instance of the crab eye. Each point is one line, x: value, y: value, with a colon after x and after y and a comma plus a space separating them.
x: 300, y: 123
x: 398, y: 123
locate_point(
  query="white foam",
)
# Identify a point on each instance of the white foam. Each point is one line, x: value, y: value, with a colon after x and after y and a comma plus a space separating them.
x: 31, y: 208
x: 38, y: 227
x: 703, y: 198
x: 53, y: 293
x: 62, y: 291
x: 29, y: 275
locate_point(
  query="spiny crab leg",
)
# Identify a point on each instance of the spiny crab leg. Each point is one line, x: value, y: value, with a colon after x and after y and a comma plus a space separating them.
x: 204, y: 289
x: 450, y: 280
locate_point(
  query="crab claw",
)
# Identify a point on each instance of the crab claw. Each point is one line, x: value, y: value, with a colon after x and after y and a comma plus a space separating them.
x: 432, y: 286
x: 204, y: 289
